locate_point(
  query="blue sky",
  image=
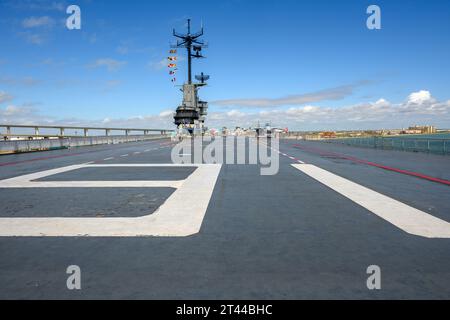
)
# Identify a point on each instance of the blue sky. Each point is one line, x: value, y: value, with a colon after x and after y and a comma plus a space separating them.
x: 301, y: 64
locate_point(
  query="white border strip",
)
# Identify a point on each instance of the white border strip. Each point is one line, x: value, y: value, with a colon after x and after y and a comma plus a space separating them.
x: 407, y: 218
x: 181, y: 215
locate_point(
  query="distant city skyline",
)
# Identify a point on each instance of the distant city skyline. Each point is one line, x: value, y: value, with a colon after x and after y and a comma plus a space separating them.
x: 303, y: 65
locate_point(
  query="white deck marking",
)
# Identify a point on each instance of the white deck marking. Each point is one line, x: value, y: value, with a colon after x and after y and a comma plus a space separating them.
x: 180, y: 215
x: 27, y: 181
x: 124, y: 155
x: 136, y: 152
x: 110, y: 158
x: 91, y: 184
x: 405, y: 217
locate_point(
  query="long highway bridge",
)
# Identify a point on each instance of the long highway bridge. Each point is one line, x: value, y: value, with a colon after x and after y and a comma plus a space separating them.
x: 142, y: 227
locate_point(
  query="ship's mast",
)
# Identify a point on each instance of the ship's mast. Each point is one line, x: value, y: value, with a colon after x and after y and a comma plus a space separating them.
x: 191, y: 43
x: 191, y: 113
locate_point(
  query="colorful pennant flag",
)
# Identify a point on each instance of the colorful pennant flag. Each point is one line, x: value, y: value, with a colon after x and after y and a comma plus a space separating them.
x: 173, y: 66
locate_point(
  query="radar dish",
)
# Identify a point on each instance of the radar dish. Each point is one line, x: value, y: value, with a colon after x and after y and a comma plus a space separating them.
x: 202, y: 77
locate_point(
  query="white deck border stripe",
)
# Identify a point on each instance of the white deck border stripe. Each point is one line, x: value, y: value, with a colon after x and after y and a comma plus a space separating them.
x: 407, y: 218
x: 180, y: 215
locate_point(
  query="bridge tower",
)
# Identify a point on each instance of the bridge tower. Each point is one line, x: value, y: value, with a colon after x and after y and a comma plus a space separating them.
x: 192, y: 111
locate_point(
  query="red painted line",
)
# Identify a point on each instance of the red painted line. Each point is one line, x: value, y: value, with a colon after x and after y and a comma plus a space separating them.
x: 373, y: 164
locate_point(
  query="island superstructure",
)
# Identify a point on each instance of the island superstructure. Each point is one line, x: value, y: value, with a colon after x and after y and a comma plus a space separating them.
x: 191, y: 114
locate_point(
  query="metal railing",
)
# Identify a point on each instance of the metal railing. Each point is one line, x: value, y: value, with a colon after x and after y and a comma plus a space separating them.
x: 416, y: 144
x: 62, y: 130
x: 23, y: 142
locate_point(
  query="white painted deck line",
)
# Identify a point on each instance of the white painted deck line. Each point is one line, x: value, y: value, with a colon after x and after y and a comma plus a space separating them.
x: 92, y: 184
x: 26, y: 181
x: 131, y: 165
x: 180, y: 215
x: 407, y: 218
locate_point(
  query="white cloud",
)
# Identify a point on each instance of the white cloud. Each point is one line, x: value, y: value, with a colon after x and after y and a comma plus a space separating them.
x: 37, y: 22
x: 34, y: 38
x: 13, y: 110
x: 23, y: 114
x: 4, y: 97
x: 158, y: 65
x: 166, y: 114
x: 109, y: 64
x: 24, y: 81
x: 372, y: 115
x: 111, y: 84
x: 420, y: 97
x: 419, y: 107
x: 40, y: 5
x: 235, y: 113
x: 28, y: 115
x: 122, y: 49
x: 93, y: 38
x: 336, y: 93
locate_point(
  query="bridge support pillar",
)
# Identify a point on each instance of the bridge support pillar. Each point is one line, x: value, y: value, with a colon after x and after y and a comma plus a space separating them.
x: 36, y: 131
x: 8, y: 133
x: 86, y: 132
